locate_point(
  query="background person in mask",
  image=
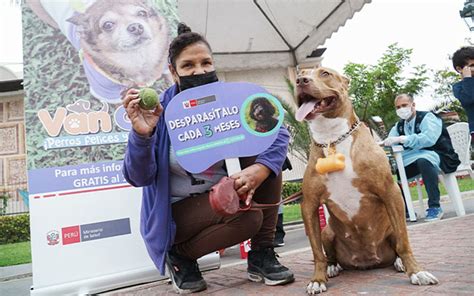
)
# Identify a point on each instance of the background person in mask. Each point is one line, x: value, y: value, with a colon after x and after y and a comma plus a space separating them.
x: 418, y: 132
x: 177, y: 222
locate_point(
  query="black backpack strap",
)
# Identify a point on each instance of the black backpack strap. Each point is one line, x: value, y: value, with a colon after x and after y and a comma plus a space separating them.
x: 400, y: 127
x: 419, y: 118
x: 287, y: 165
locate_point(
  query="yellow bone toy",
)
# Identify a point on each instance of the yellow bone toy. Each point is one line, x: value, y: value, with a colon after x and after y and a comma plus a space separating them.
x: 332, y: 163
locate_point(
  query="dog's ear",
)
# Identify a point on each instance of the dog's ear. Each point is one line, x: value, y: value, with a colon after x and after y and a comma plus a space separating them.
x: 270, y: 108
x: 81, y: 20
x: 345, y: 80
x: 152, y: 11
x: 148, y: 5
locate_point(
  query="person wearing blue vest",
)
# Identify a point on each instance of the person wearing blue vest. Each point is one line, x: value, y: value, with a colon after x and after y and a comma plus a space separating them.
x: 428, y: 149
x: 178, y: 224
x: 463, y: 63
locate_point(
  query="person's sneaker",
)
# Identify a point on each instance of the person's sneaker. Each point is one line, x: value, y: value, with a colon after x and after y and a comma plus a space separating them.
x: 433, y: 214
x: 184, y: 274
x: 263, y: 265
x: 278, y: 242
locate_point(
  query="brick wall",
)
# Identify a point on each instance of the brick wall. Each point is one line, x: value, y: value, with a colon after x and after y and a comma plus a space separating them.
x: 12, y: 150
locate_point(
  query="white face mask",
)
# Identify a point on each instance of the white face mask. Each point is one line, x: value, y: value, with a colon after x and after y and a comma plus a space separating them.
x: 404, y: 113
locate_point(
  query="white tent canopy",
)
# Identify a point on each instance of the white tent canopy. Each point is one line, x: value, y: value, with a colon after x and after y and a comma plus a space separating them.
x: 262, y: 34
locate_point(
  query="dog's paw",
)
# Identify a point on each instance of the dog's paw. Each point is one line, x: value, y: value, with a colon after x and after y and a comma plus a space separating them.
x: 333, y: 270
x: 398, y: 264
x: 316, y: 288
x: 423, y: 278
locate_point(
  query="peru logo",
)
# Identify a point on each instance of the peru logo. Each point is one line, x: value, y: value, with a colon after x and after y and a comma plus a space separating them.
x: 71, y: 235
x: 190, y: 103
x: 52, y: 237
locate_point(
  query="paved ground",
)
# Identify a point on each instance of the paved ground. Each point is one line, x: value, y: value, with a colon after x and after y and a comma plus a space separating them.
x: 445, y: 248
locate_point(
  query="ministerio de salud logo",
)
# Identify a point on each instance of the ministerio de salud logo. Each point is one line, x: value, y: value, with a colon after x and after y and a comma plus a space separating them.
x: 52, y: 237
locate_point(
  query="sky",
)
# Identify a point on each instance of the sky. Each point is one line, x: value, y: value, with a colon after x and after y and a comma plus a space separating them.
x: 10, y: 29
x: 432, y: 28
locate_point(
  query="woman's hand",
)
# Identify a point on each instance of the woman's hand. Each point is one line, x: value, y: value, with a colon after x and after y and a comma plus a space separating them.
x: 249, y: 179
x: 143, y: 121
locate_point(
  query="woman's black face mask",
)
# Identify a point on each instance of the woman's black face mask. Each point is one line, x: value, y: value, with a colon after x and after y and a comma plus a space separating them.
x: 190, y: 81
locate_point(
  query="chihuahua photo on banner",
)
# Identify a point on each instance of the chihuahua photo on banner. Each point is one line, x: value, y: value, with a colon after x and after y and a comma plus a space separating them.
x: 122, y: 43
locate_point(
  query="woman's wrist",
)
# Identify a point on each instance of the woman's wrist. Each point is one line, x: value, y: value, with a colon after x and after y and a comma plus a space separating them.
x: 262, y: 172
x: 146, y: 135
x: 142, y: 136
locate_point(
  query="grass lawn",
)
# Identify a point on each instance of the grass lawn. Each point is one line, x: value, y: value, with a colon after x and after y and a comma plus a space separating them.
x: 291, y: 213
x: 466, y: 184
x: 13, y: 254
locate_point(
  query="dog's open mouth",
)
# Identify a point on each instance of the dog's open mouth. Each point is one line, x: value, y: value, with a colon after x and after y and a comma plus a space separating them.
x: 311, y: 108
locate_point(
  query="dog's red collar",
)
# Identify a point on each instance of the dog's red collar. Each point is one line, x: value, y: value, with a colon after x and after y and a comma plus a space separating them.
x: 341, y: 138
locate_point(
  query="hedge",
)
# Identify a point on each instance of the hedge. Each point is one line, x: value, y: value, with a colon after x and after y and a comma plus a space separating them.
x: 14, y: 229
x: 289, y: 188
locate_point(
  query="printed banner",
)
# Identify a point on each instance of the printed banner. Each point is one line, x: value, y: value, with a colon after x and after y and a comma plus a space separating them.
x: 78, y: 58
x: 221, y: 120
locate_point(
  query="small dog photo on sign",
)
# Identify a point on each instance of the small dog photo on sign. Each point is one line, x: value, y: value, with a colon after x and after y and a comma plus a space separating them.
x: 263, y: 115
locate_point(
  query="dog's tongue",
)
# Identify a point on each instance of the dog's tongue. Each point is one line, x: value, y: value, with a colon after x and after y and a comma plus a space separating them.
x: 304, y: 110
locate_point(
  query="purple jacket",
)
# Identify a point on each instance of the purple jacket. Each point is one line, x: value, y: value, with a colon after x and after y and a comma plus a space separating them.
x: 146, y: 164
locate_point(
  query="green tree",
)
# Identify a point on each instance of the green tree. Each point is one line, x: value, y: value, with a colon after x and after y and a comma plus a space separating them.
x: 443, y: 81
x: 374, y: 87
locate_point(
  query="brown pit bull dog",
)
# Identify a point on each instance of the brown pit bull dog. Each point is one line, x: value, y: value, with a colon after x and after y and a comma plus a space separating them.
x: 366, y: 227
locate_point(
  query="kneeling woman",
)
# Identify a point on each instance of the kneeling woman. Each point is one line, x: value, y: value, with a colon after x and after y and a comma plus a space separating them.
x: 177, y: 222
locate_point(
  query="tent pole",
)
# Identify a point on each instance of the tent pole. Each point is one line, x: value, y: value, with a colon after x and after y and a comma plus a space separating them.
x: 292, y: 50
